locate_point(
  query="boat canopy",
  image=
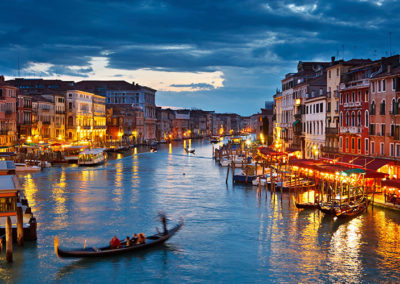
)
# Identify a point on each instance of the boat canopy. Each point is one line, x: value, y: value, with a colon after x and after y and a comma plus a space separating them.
x: 92, y: 151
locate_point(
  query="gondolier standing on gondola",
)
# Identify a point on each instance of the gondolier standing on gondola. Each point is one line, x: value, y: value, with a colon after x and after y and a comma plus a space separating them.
x: 163, y: 220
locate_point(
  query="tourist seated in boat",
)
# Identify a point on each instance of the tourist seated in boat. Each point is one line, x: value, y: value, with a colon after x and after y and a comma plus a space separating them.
x: 141, y: 238
x: 115, y: 243
x: 134, y: 239
x: 128, y: 241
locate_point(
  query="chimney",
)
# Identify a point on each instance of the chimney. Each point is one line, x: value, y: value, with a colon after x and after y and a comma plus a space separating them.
x: 333, y: 58
x: 1, y: 78
x: 389, y: 68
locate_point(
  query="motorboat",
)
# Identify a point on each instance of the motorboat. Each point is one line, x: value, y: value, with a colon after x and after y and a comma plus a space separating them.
x: 26, y: 168
x: 92, y: 157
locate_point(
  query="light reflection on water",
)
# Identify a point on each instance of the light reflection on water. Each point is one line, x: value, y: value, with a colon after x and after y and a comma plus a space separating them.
x: 231, y: 233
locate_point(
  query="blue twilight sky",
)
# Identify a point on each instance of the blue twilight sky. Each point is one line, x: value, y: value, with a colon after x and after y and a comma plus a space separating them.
x: 225, y: 55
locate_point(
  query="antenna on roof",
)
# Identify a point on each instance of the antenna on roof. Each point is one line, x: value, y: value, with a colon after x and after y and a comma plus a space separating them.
x: 390, y: 43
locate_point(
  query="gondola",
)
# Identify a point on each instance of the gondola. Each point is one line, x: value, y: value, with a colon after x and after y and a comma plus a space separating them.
x: 307, y: 205
x: 353, y: 211
x: 191, y: 151
x: 151, y: 241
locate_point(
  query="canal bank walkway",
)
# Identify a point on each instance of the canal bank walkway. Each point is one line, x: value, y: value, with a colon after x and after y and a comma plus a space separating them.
x: 379, y: 200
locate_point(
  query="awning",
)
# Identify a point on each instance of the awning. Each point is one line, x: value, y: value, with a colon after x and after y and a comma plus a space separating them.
x: 391, y: 183
x: 297, y: 121
x: 377, y: 164
x: 353, y: 171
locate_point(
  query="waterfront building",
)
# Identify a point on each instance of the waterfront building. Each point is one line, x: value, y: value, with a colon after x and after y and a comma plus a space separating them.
x: 8, y: 114
x: 164, y: 123
x: 334, y: 75
x: 384, y: 128
x: 277, y: 117
x: 43, y: 129
x: 286, y: 107
x: 24, y: 117
x: 180, y: 124
x: 353, y: 109
x: 99, y: 128
x: 59, y: 114
x: 82, y: 110
x: 198, y: 123
x: 315, y: 114
x: 125, y: 123
x: 122, y: 92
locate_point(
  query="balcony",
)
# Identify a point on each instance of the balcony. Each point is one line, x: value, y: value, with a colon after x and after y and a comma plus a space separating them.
x: 60, y: 111
x: 9, y: 112
x: 329, y: 149
x: 86, y: 127
x: 46, y: 122
x: 331, y: 131
x: 350, y: 129
x: 3, y: 132
x: 328, y: 95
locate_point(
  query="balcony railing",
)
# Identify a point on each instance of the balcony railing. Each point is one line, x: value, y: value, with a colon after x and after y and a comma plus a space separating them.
x: 60, y: 111
x: 350, y: 129
x: 9, y: 112
x: 331, y: 131
x: 3, y: 132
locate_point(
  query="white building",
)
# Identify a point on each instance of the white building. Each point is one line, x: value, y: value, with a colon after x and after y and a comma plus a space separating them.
x: 86, y: 120
x: 315, y: 123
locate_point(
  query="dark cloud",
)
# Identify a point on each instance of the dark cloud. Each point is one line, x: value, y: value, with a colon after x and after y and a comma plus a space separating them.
x: 207, y: 35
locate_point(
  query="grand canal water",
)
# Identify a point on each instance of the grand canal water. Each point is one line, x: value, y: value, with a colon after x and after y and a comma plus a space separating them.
x: 231, y: 234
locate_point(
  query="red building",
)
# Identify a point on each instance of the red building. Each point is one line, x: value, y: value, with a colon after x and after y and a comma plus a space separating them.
x: 353, y: 109
x: 24, y: 117
x: 8, y: 115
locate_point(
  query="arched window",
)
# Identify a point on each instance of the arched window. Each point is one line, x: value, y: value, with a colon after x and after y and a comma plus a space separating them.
x: 353, y: 119
x: 347, y: 119
x: 398, y: 106
x: 372, y: 108
x: 382, y: 108
x: 394, y: 107
x: 366, y: 118
x: 341, y: 119
x: 70, y: 121
x: 359, y: 118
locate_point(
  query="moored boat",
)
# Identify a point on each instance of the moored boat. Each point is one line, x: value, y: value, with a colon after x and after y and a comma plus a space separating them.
x: 25, y: 168
x: 92, y: 157
x: 105, y: 251
x: 352, y: 210
x: 307, y: 205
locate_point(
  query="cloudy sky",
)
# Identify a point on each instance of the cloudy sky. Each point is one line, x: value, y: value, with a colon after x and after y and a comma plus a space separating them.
x: 225, y: 55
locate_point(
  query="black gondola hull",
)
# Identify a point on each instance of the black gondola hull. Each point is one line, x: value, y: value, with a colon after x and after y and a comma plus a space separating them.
x: 92, y: 252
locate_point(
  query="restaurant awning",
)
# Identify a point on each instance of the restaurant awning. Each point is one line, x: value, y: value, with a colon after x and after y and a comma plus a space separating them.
x: 376, y: 164
x: 391, y: 183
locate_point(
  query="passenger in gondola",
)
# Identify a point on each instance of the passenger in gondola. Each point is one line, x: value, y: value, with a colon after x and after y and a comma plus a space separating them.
x: 134, y: 239
x: 128, y: 241
x: 115, y: 243
x: 141, y: 238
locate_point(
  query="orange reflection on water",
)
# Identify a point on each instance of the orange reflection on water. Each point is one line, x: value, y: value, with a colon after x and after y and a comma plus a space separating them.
x: 59, y: 194
x: 30, y: 189
x: 388, y: 232
x: 344, y: 252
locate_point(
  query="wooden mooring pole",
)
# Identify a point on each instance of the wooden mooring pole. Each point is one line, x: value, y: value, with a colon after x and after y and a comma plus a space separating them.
x: 9, y: 240
x: 20, y: 227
